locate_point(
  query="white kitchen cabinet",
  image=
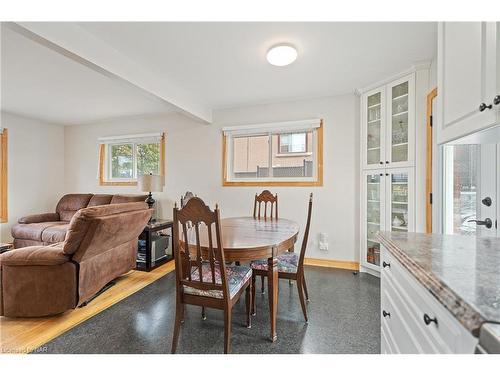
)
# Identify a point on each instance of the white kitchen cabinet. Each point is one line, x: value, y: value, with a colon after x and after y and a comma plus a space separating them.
x: 468, y: 78
x: 412, y: 319
x: 388, y: 125
x: 387, y: 205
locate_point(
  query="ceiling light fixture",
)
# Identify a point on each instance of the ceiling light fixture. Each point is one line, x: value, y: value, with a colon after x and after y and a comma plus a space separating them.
x: 281, y: 55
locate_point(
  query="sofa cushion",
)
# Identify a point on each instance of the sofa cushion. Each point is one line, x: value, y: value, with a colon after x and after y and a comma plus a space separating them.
x: 34, y: 256
x: 70, y: 203
x: 54, y: 234
x: 100, y: 199
x: 119, y: 198
x: 32, y: 231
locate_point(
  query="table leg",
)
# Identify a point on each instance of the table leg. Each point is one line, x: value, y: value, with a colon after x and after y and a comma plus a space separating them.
x: 272, y: 287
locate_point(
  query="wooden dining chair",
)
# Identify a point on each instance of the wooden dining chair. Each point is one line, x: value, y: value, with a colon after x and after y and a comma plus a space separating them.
x: 202, y: 276
x: 267, y: 198
x: 290, y: 266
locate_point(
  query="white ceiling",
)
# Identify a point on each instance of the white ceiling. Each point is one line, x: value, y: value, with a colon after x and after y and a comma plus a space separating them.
x: 220, y: 64
x: 225, y: 63
x: 39, y: 82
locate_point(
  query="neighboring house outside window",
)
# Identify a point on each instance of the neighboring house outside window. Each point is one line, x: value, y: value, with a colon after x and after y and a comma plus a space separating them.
x: 123, y: 158
x: 295, y: 156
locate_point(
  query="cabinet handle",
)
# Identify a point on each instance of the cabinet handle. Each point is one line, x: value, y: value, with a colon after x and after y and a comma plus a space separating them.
x: 385, y: 313
x: 496, y: 101
x: 384, y: 264
x: 387, y: 174
x: 428, y: 320
x: 387, y: 162
x: 381, y: 162
x: 483, y: 106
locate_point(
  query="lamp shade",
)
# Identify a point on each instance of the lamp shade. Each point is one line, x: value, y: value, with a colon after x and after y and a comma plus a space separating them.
x: 150, y: 183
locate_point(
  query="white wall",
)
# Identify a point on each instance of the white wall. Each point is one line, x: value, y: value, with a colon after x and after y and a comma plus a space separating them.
x: 35, y: 167
x: 193, y: 162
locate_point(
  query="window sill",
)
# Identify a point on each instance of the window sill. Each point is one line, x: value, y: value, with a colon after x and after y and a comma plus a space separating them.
x: 272, y: 183
x: 118, y: 183
x: 293, y: 154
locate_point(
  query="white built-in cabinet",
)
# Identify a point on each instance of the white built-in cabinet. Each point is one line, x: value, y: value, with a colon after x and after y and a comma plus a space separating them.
x: 412, y: 320
x: 388, y: 165
x: 468, y: 78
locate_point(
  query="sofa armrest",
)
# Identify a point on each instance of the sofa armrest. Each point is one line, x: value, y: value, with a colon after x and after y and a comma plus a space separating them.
x: 35, y: 256
x: 39, y: 218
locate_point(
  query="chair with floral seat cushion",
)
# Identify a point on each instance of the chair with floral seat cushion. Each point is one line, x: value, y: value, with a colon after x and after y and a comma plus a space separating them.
x: 202, y: 276
x: 290, y: 266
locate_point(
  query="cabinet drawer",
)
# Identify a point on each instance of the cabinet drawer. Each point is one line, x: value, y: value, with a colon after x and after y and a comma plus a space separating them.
x: 416, y: 331
x: 414, y: 301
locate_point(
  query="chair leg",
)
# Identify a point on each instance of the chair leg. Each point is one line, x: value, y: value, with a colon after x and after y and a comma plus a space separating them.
x: 305, y: 288
x: 227, y: 330
x: 203, y: 316
x: 248, y: 300
x: 300, y: 285
x: 262, y: 291
x: 253, y: 294
x: 179, y: 313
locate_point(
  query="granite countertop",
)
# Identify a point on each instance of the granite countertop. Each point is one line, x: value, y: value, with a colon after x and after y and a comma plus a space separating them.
x: 462, y: 272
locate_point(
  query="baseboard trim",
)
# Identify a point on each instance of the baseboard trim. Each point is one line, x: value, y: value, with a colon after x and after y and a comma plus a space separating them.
x: 332, y: 263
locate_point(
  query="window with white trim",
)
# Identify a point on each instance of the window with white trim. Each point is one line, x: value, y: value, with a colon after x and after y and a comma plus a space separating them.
x: 285, y: 153
x: 123, y: 158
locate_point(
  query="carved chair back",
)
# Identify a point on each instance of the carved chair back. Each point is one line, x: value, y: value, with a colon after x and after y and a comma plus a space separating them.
x: 268, y: 199
x: 306, y: 232
x: 190, y: 259
x: 186, y: 197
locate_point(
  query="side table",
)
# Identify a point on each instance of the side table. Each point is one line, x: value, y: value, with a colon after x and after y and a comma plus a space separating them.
x: 153, y: 245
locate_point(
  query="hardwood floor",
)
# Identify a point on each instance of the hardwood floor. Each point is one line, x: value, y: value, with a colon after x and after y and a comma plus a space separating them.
x: 26, y: 334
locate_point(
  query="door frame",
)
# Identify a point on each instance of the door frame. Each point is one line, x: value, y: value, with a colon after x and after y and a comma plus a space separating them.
x: 429, y: 147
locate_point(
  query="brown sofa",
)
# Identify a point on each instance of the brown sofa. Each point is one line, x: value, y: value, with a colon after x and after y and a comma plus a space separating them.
x: 50, y: 228
x: 100, y: 245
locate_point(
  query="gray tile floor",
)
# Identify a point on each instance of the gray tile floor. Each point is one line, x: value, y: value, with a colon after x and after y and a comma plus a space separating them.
x: 343, y: 318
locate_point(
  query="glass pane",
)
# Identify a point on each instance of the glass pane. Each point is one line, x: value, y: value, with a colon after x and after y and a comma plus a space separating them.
x: 286, y: 165
x: 399, y: 202
x: 399, y: 137
x: 251, y: 157
x: 465, y: 187
x: 372, y: 218
x: 122, y: 161
x: 373, y: 128
x: 148, y: 158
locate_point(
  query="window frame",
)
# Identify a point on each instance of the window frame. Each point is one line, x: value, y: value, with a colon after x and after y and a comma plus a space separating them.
x: 316, y: 180
x: 105, y: 163
x: 4, y: 213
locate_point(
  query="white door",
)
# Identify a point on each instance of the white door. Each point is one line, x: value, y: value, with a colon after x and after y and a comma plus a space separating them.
x: 373, y: 119
x: 400, y: 197
x: 467, y: 69
x: 471, y: 189
x: 373, y: 219
x: 400, y: 135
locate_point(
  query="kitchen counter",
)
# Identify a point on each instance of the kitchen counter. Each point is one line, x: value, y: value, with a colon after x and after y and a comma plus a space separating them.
x: 462, y: 272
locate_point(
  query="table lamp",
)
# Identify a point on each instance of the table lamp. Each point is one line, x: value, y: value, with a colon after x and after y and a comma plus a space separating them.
x: 148, y: 183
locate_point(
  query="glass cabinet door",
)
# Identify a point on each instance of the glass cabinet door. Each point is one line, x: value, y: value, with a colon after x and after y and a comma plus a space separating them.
x: 400, y: 201
x: 400, y: 121
x: 374, y: 129
x: 374, y: 216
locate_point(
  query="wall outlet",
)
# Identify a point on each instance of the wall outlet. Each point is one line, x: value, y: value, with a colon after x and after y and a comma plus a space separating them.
x: 323, y: 242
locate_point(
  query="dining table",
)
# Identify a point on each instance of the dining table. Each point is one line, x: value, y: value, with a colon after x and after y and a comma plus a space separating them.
x: 248, y: 238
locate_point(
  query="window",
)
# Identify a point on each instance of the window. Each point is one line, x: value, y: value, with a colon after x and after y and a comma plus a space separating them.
x: 122, y: 159
x: 3, y: 176
x: 276, y: 154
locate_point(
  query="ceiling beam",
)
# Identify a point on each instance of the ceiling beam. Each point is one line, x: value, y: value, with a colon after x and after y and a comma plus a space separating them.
x: 78, y: 44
